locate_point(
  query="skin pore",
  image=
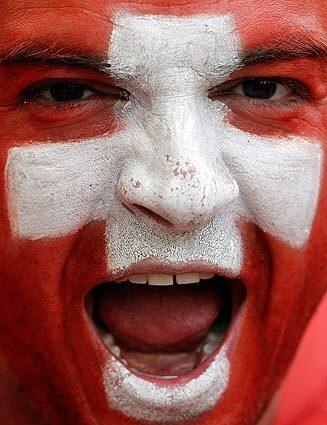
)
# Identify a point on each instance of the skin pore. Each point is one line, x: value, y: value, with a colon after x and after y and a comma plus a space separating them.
x: 84, y: 181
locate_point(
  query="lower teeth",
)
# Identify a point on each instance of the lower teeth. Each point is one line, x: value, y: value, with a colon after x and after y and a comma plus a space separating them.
x: 213, y: 340
x: 211, y: 343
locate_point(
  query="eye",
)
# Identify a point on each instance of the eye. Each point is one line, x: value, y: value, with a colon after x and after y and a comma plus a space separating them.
x: 257, y: 88
x: 66, y: 92
x: 261, y: 89
x: 60, y: 92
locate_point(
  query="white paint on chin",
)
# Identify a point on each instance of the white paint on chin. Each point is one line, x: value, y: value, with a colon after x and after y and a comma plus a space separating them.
x: 143, y: 400
x: 168, y: 64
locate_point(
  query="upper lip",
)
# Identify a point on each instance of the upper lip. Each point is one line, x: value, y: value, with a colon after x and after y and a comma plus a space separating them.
x: 155, y: 266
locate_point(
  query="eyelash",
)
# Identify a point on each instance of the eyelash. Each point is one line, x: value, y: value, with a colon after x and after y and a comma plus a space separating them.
x: 32, y: 93
x: 297, y: 89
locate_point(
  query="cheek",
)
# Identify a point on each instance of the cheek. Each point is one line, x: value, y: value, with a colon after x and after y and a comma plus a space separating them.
x: 87, y: 123
x: 56, y: 189
x: 259, y: 122
x: 279, y: 181
x: 317, y: 254
x: 34, y: 124
x: 303, y: 121
x: 63, y: 269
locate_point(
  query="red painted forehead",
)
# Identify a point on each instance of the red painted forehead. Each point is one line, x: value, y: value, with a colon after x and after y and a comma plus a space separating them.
x: 88, y: 27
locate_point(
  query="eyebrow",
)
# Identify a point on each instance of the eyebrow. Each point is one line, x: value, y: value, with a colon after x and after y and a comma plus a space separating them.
x: 285, y: 51
x: 52, y: 54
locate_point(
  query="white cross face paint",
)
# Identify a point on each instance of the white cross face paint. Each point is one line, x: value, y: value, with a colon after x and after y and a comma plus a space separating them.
x: 178, y: 157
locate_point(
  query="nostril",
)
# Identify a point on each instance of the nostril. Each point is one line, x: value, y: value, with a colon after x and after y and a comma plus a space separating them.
x: 151, y: 214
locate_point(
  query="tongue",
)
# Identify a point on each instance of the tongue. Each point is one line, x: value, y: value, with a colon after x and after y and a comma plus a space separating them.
x: 153, y: 319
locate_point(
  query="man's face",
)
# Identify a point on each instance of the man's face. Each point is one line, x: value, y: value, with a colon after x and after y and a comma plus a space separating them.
x: 165, y: 143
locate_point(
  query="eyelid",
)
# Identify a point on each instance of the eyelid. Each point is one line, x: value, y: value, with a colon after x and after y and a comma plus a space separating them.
x: 296, y: 87
x: 32, y: 92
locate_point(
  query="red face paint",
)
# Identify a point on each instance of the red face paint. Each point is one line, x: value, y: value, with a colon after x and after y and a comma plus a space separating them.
x: 49, y: 346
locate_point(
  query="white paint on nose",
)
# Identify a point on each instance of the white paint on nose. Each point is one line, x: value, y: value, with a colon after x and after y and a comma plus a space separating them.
x: 182, y: 195
x: 180, y: 179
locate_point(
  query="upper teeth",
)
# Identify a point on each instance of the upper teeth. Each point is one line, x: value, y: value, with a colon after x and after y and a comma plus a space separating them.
x: 168, y: 279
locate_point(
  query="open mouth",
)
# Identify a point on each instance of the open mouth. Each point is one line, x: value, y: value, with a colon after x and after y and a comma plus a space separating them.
x: 166, y: 326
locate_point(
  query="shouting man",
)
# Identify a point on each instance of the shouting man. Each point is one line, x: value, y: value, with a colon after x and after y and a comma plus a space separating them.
x: 163, y: 200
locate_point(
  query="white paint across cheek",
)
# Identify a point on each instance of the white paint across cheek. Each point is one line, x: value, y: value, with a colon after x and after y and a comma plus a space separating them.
x: 56, y: 189
x: 279, y: 179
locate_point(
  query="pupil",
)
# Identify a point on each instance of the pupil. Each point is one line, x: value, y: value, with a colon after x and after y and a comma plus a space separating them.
x: 66, y: 92
x: 260, y: 89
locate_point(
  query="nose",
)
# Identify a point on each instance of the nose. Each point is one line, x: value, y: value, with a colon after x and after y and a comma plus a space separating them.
x: 179, y: 194
x: 179, y: 179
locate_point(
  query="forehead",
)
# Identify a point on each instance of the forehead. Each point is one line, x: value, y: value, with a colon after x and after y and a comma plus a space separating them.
x: 203, y: 44
x: 88, y: 25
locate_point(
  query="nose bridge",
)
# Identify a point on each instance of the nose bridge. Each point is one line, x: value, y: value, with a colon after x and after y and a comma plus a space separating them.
x: 183, y: 130
x: 183, y: 122
x: 186, y: 163
x: 182, y: 179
